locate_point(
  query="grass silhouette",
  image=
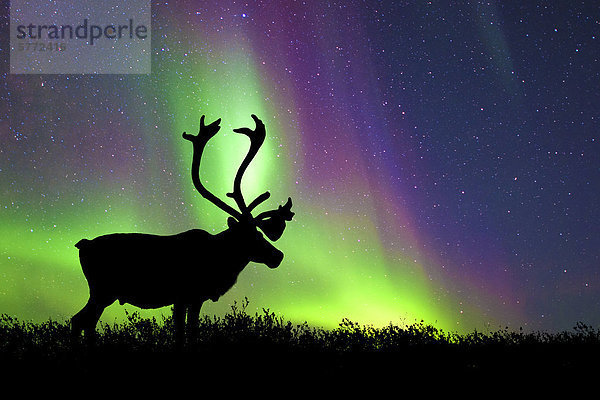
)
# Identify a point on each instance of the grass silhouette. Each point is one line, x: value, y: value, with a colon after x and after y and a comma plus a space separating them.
x: 249, y: 345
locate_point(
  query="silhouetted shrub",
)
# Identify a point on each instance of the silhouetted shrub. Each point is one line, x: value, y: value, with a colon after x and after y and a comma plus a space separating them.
x: 265, y: 337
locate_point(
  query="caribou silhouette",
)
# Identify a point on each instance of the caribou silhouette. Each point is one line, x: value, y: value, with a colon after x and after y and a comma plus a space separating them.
x: 186, y: 269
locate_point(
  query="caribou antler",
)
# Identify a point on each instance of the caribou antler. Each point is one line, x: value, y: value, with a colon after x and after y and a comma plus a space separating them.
x: 272, y: 223
x: 257, y: 137
x: 199, y: 141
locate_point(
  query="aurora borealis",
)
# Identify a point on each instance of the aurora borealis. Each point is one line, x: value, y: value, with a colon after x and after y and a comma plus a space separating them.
x: 442, y: 159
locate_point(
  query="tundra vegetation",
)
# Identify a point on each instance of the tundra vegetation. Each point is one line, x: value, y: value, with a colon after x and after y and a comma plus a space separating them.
x: 248, y: 345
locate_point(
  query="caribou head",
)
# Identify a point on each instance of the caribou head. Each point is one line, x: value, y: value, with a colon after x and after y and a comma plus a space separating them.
x: 241, y: 220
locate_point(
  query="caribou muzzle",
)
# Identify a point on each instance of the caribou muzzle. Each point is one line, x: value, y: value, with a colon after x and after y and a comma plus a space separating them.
x: 275, y: 259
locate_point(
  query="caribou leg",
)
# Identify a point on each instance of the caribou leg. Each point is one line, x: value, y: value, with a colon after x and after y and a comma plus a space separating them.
x: 179, y: 324
x: 193, y: 316
x: 85, y: 320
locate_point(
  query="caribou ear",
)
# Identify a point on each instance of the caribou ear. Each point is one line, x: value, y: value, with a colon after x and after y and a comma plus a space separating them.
x: 231, y: 222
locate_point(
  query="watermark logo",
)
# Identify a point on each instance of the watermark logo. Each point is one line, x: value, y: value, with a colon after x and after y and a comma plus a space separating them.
x: 75, y: 37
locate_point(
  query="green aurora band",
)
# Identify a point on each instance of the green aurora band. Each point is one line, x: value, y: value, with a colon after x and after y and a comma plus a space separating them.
x: 335, y: 264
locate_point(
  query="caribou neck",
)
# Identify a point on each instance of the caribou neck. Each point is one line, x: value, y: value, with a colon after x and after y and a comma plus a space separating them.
x: 234, y: 249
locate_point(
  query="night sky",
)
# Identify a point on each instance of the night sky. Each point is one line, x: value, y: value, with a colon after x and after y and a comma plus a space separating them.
x: 443, y: 160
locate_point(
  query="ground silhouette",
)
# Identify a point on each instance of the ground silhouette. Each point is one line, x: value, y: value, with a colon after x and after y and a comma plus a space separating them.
x: 264, y: 349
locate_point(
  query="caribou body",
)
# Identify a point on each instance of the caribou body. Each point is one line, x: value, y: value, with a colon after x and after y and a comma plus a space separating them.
x: 188, y: 268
